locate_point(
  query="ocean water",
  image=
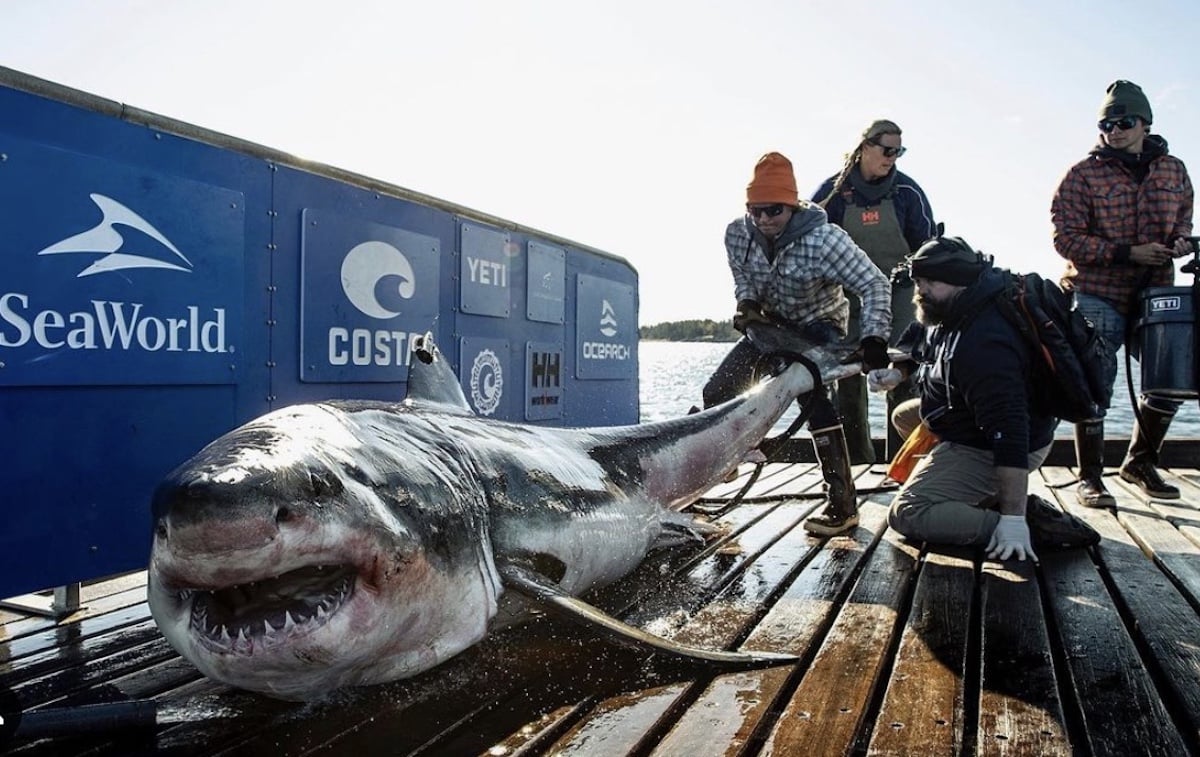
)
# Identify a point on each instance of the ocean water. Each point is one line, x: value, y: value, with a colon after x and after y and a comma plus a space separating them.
x: 671, y: 375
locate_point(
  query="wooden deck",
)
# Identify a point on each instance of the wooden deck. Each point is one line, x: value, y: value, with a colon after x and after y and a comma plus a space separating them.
x: 902, y: 651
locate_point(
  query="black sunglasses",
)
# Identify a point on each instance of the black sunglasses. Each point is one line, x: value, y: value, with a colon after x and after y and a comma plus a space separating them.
x: 766, y: 210
x: 889, y: 152
x: 1124, y: 124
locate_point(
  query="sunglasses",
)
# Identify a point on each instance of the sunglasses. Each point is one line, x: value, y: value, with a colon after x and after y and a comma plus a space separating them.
x: 1124, y: 124
x: 769, y: 211
x: 889, y: 152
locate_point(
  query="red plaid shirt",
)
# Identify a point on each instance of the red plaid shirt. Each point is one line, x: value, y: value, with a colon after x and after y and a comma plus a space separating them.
x: 1099, y: 205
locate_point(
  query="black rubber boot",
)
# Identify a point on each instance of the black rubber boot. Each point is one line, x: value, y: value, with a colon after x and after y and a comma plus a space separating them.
x: 1051, y: 528
x: 1089, y: 451
x: 1139, y: 467
x: 841, y: 513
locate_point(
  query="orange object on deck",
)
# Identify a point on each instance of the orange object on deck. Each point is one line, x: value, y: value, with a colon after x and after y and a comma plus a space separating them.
x: 919, y: 442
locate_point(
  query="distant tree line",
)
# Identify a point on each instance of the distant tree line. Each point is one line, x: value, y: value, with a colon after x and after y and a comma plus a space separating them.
x: 706, y: 330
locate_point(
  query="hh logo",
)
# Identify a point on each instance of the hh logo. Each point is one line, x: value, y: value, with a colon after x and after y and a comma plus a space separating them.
x: 870, y: 217
x: 545, y: 370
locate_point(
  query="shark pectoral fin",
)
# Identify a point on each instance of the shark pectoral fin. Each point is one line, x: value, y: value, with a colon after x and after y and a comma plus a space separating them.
x: 530, y: 584
x: 677, y: 529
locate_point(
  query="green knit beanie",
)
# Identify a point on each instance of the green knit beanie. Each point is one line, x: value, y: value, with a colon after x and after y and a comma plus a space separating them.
x: 1124, y: 98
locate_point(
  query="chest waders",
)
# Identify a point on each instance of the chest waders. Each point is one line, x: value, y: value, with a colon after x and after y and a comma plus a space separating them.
x: 877, y: 230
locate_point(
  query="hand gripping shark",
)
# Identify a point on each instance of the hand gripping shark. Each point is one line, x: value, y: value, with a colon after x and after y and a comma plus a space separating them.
x: 356, y: 542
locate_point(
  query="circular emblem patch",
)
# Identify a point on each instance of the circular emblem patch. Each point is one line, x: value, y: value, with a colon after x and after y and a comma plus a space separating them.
x: 487, y: 382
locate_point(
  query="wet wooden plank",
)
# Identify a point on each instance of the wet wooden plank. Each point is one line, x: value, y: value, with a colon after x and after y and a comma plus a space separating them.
x: 734, y: 707
x: 1121, y: 712
x: 58, y: 648
x: 770, y: 555
x: 1120, y: 709
x: 773, y: 479
x: 923, y: 708
x: 96, y: 650
x: 826, y: 713
x: 1020, y: 712
x: 719, y: 624
x: 27, y: 634
x: 94, y: 672
x: 670, y: 566
x: 96, y: 596
x: 1159, y: 538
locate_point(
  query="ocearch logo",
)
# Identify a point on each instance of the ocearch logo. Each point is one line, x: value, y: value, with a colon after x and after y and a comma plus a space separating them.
x: 376, y: 277
x: 112, y: 325
x: 608, y: 327
x: 608, y: 320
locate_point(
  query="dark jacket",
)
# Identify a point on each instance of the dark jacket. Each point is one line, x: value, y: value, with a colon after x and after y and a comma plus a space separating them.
x: 974, y: 378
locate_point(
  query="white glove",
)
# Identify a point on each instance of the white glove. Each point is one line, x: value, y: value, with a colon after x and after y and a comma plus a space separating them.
x: 1011, y: 539
x: 884, y: 379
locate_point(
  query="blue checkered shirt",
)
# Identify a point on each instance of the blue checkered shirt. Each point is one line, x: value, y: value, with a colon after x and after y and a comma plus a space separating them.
x: 805, y: 282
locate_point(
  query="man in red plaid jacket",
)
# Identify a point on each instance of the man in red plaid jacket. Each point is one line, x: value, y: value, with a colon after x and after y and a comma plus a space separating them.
x: 1120, y: 217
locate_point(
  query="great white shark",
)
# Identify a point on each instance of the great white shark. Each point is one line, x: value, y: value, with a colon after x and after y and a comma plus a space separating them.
x: 355, y: 542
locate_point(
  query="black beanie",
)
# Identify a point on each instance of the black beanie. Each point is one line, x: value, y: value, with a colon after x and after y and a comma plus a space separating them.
x: 1124, y: 98
x: 947, y: 259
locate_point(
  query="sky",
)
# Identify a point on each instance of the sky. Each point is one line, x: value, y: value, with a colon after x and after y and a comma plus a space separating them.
x: 633, y: 126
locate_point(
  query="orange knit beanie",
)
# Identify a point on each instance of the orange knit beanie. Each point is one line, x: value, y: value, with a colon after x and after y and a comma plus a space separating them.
x: 773, y: 182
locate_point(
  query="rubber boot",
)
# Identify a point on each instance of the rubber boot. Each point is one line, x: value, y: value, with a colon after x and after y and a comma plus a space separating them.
x: 856, y: 427
x: 841, y: 513
x: 1148, y: 436
x: 1089, y: 452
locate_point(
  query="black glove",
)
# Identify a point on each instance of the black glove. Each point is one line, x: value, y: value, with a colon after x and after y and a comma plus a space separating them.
x: 748, y: 311
x: 874, y: 353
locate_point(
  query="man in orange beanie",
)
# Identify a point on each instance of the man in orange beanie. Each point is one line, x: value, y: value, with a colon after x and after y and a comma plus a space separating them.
x: 791, y: 265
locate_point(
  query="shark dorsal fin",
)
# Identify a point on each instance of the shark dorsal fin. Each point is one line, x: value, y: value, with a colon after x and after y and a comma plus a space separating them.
x: 431, y: 381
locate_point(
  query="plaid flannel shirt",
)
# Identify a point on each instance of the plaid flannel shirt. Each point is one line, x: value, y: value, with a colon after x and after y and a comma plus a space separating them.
x: 1099, y: 205
x: 804, y: 284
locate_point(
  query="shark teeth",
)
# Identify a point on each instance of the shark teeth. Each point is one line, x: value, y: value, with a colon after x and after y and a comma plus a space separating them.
x: 238, y: 618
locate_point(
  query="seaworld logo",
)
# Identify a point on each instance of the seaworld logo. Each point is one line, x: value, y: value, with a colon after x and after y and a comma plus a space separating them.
x: 110, y: 326
x: 106, y: 324
x: 106, y: 238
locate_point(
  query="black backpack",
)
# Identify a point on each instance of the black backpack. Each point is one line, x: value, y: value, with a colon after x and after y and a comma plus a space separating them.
x: 1068, y: 351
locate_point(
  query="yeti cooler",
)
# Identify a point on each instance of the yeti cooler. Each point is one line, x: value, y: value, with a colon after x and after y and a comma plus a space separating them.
x: 1166, y: 333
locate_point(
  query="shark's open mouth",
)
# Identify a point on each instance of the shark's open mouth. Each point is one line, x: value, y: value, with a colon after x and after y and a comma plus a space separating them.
x: 272, y: 608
